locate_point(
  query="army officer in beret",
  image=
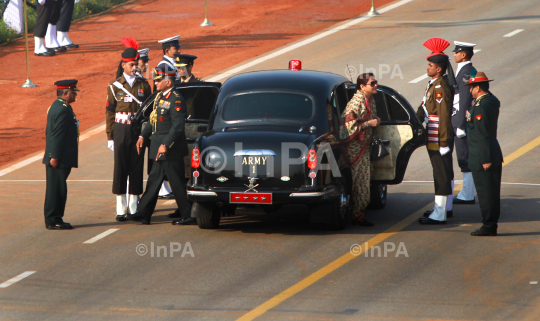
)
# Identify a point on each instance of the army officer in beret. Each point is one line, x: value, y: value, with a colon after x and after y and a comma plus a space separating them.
x: 61, y: 153
x: 485, y: 155
x: 184, y: 66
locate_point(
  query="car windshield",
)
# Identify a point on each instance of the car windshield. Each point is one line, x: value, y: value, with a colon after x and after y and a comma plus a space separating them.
x: 260, y: 106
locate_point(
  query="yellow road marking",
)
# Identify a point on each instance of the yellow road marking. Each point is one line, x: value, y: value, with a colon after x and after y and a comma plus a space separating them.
x: 334, y: 265
x: 512, y: 157
x: 331, y: 267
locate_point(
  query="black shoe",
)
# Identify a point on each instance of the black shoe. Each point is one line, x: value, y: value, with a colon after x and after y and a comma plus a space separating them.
x: 449, y: 214
x: 185, y: 221
x: 138, y: 217
x: 428, y: 213
x: 484, y: 232
x: 135, y: 217
x: 121, y: 218
x: 458, y: 201
x: 45, y: 54
x: 145, y: 220
x: 428, y: 221
x: 57, y: 49
x: 176, y: 214
x: 59, y: 226
x: 71, y: 46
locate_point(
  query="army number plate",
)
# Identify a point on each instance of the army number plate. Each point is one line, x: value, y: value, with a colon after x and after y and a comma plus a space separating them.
x: 250, y: 198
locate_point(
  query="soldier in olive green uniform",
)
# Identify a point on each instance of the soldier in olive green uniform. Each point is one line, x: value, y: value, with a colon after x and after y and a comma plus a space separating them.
x: 485, y: 155
x: 168, y: 148
x: 124, y: 97
x: 61, y: 153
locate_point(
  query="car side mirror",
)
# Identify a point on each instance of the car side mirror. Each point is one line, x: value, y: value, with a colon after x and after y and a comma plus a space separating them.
x: 202, y: 128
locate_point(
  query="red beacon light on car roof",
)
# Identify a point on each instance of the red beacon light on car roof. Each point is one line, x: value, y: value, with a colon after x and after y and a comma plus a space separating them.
x: 295, y: 65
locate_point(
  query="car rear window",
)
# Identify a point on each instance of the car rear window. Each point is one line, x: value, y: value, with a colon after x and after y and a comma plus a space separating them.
x: 268, y: 105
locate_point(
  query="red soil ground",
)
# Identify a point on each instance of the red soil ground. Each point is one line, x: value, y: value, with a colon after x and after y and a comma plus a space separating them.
x: 243, y: 29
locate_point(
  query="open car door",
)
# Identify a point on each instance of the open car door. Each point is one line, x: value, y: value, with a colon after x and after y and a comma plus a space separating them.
x: 400, y: 131
x: 200, y: 99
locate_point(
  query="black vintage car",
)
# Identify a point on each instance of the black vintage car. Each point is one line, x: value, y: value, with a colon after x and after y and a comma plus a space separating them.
x: 267, y: 138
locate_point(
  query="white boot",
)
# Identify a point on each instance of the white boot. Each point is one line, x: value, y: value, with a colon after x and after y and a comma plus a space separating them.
x: 50, y: 37
x: 450, y: 199
x: 121, y: 204
x: 439, y: 212
x: 165, y: 189
x: 468, y: 191
x: 39, y: 46
x: 63, y: 38
x: 133, y: 202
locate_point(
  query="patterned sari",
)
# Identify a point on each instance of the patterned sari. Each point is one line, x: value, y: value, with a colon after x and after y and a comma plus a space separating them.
x: 357, y: 149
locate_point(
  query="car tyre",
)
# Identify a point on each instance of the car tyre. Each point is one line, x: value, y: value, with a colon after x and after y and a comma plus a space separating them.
x: 208, y: 223
x: 378, y: 194
x: 340, y: 211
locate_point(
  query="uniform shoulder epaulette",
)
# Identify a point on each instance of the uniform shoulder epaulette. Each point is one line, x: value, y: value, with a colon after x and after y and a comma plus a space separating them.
x: 117, y: 79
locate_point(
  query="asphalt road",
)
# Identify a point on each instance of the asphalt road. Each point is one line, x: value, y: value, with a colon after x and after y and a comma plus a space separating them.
x: 302, y: 269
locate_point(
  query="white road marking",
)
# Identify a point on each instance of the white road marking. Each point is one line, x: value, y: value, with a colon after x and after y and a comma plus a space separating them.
x: 533, y: 282
x: 525, y: 184
x: 459, y: 182
x: 220, y: 76
x: 477, y: 50
x: 513, y: 33
x: 21, y: 164
x: 69, y: 180
x: 100, y: 236
x: 91, y: 133
x: 16, y: 279
x: 169, y: 202
x: 32, y: 159
x: 419, y: 79
x: 303, y: 43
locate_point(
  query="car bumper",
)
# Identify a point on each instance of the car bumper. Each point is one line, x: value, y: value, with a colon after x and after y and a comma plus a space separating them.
x: 301, y: 195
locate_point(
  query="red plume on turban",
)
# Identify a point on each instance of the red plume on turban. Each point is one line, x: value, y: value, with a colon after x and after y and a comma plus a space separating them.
x: 130, y: 43
x: 437, y: 45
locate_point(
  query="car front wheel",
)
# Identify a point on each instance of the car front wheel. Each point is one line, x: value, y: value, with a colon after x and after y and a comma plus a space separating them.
x: 339, y: 210
x: 378, y: 194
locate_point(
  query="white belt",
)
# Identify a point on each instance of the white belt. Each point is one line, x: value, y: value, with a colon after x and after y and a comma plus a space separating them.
x: 123, y: 117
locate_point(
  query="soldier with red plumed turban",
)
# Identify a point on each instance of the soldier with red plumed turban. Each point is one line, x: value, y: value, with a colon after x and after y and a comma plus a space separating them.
x: 435, y: 110
x: 124, y: 97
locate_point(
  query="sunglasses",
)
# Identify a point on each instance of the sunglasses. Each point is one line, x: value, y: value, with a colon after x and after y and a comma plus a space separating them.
x: 373, y: 83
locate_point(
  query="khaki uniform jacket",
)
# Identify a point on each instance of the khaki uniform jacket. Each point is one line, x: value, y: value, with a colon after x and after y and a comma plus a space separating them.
x: 119, y: 101
x: 439, y: 100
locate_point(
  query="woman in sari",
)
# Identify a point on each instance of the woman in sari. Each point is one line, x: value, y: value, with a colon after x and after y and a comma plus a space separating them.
x: 357, y: 123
